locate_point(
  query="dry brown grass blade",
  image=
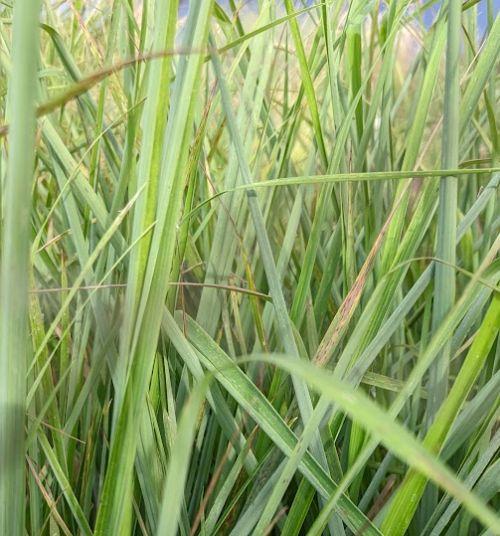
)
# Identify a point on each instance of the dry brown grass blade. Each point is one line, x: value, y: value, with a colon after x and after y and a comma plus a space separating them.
x: 87, y: 83
x: 351, y: 301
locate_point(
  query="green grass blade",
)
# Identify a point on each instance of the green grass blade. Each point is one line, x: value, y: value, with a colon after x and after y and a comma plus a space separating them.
x: 14, y: 278
x: 405, y: 502
x: 394, y: 436
x: 173, y: 492
x: 248, y: 396
x: 444, y: 288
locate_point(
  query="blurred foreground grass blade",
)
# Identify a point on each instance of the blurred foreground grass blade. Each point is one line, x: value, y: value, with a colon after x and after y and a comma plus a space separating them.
x: 14, y: 278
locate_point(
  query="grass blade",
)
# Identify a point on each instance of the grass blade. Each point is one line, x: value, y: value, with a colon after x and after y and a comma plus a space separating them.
x: 14, y: 278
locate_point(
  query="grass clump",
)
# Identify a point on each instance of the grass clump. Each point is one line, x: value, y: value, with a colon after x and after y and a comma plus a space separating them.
x: 250, y: 268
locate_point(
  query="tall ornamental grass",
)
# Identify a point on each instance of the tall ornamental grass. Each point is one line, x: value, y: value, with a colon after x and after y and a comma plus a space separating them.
x: 249, y: 267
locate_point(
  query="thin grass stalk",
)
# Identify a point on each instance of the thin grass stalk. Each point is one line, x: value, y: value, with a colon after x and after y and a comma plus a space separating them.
x: 444, y: 289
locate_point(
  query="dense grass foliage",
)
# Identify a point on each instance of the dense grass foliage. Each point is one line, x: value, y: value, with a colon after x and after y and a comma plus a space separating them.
x: 250, y: 268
